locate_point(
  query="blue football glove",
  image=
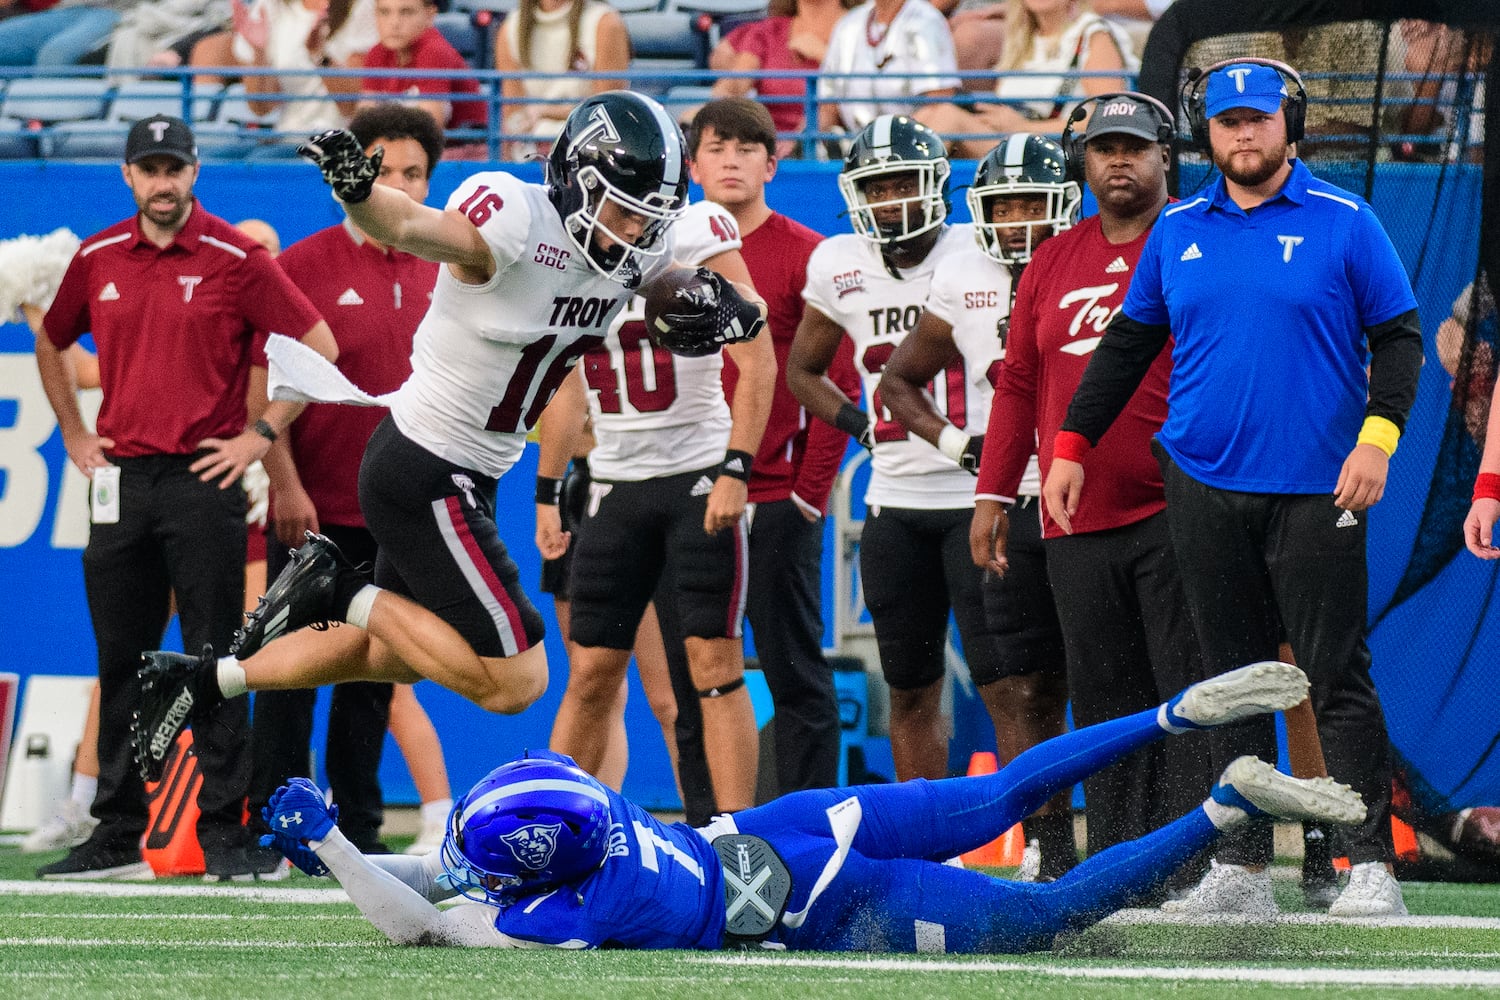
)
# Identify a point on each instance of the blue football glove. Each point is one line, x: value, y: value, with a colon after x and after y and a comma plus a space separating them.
x: 299, y: 855
x: 298, y: 812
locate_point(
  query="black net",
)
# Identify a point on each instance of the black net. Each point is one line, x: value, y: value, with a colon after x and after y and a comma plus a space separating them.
x: 1397, y: 112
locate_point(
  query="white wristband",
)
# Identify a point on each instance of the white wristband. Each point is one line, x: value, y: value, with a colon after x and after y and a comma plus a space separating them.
x: 952, y: 442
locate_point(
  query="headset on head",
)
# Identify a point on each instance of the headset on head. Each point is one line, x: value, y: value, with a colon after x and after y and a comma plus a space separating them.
x: 1194, y: 99
x: 1072, y: 143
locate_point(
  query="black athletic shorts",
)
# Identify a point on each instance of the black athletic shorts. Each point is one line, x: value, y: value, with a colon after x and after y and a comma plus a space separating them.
x: 435, y: 524
x: 914, y: 566
x: 637, y: 533
x: 1018, y: 606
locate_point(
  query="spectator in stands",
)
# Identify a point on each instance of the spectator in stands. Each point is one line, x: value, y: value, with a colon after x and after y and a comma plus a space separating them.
x: 794, y: 37
x: 303, y: 35
x: 1056, y: 37
x: 408, y: 40
x: 173, y: 429
x: 59, y: 35
x: 895, y: 38
x: 374, y: 298
x: 162, y: 33
x: 560, y: 37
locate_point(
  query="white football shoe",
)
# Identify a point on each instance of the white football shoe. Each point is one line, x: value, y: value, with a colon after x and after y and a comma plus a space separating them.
x: 1268, y: 686
x: 1232, y: 890
x: 1372, y: 892
x: 69, y: 827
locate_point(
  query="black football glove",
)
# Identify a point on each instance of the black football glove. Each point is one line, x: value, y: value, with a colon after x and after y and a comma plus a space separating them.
x: 704, y: 318
x: 345, y: 166
x: 969, y: 460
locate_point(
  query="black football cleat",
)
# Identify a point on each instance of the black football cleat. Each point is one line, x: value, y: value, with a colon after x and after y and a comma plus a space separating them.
x: 167, y: 698
x: 303, y: 595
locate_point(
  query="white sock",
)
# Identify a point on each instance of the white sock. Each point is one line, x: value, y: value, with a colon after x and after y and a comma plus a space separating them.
x: 436, y: 812
x: 84, y: 788
x: 358, y: 614
x: 1223, y: 817
x: 231, y: 677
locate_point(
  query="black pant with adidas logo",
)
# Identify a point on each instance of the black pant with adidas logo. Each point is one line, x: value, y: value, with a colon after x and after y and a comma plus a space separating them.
x: 1251, y: 564
x: 636, y: 533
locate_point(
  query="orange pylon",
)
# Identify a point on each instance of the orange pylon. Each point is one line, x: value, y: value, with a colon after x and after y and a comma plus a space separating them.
x: 1005, y: 850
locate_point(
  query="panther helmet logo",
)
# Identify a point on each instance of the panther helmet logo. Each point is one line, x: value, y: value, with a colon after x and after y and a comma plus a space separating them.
x: 533, y: 845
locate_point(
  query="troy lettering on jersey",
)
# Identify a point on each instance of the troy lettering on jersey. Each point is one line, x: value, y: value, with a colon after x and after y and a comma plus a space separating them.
x: 551, y: 256
x: 892, y: 320
x: 1090, y: 312
x: 849, y: 281
x: 587, y: 313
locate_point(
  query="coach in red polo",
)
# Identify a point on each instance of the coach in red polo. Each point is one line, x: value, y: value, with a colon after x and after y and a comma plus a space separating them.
x: 172, y: 296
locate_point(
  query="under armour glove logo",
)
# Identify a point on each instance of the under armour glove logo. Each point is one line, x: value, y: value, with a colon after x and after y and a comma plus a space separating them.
x: 345, y: 166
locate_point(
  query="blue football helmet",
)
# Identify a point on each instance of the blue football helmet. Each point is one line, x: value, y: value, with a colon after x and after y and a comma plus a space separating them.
x: 537, y: 822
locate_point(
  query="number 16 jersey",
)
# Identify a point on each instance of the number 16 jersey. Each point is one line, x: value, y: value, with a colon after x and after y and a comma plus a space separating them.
x: 487, y: 358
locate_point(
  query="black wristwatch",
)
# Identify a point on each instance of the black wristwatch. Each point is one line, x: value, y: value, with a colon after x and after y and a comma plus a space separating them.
x: 265, y: 430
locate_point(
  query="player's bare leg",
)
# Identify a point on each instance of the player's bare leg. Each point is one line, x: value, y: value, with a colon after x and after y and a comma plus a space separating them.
x: 582, y: 727
x: 919, y: 732
x: 729, y: 735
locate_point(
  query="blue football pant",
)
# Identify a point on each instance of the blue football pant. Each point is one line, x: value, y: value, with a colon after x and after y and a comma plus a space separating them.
x: 894, y: 894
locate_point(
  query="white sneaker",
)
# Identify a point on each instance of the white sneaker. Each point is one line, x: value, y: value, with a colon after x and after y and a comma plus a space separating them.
x: 70, y: 827
x: 1228, y: 889
x: 1372, y: 892
x: 429, y: 840
x: 1268, y: 686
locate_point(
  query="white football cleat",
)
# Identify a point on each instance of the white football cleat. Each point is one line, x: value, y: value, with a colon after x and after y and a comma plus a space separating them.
x: 429, y: 840
x: 1372, y: 892
x: 1256, y: 787
x: 70, y: 827
x: 1268, y: 686
x: 1228, y: 890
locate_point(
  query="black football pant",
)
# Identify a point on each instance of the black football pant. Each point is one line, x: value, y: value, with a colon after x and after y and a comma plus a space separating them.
x: 176, y: 535
x: 1130, y: 646
x: 1252, y: 563
x: 358, y: 714
x: 785, y: 608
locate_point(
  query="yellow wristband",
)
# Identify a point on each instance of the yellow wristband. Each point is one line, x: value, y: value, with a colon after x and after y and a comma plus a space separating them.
x: 1381, y: 433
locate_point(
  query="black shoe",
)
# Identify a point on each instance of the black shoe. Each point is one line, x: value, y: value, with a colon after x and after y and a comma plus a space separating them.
x: 304, y: 594
x: 168, y: 693
x: 94, y: 861
x: 1320, y: 883
x: 245, y: 864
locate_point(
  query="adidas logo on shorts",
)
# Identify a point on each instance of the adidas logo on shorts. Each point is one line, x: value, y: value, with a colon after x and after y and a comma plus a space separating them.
x: 702, y: 488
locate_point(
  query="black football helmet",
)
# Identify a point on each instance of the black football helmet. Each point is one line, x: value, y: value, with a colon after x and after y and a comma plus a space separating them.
x: 1022, y: 164
x: 622, y: 147
x: 888, y: 146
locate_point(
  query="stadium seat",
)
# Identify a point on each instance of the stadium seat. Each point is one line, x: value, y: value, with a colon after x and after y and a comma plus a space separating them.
x: 40, y: 103
x: 638, y: 6
x: 234, y: 108
x: 17, y: 142
x: 501, y: 7
x: 682, y: 97
x: 459, y: 28
x: 663, y: 42
x: 142, y: 99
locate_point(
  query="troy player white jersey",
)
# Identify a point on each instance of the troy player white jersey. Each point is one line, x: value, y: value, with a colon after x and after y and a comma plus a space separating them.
x: 488, y: 357
x: 656, y: 413
x: 972, y: 293
x: 847, y: 281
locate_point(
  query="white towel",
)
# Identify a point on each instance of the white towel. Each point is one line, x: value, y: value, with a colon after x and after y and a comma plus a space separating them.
x: 300, y: 374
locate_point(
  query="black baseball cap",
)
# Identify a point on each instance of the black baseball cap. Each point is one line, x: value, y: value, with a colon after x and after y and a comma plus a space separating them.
x: 161, y: 135
x: 1121, y: 113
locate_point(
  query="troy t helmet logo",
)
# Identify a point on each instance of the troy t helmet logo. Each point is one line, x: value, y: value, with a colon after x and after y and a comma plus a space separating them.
x: 599, y: 127
x: 159, y: 130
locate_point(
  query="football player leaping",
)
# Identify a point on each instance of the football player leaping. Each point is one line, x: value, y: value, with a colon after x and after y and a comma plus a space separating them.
x: 535, y: 274
x: 914, y: 553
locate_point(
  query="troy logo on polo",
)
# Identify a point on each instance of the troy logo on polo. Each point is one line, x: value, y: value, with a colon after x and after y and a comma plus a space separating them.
x: 188, y: 283
x: 1287, y: 243
x: 1090, y: 312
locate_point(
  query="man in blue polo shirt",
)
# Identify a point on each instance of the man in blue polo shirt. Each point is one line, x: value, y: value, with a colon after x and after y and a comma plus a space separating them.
x: 1279, y: 290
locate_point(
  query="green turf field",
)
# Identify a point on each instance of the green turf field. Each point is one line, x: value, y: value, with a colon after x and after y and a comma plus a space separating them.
x: 297, y: 940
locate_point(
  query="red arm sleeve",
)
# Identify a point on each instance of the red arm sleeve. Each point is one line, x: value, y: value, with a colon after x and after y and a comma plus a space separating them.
x: 826, y: 444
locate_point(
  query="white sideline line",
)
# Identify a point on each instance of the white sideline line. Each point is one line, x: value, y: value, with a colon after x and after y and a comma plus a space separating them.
x: 1291, y: 977
x: 156, y: 944
x: 179, y: 915
x: 1143, y: 916
x: 137, y: 890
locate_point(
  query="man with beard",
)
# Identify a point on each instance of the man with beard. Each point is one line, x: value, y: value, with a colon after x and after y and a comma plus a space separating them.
x: 1119, y: 601
x: 1274, y: 285
x: 173, y: 296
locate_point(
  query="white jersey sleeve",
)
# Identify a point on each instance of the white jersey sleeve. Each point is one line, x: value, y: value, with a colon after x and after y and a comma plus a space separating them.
x: 972, y: 295
x: 494, y: 204
x: 656, y: 413
x: 848, y: 282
